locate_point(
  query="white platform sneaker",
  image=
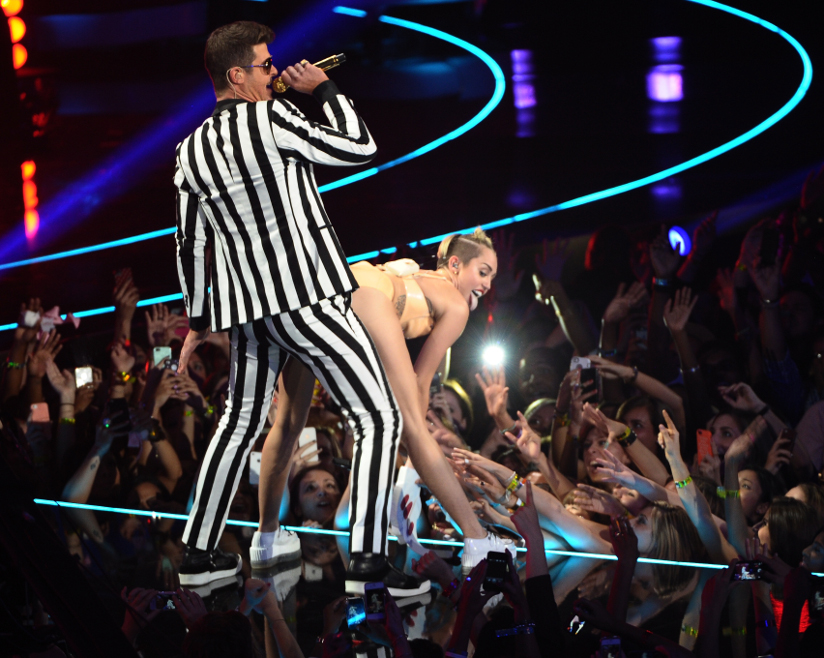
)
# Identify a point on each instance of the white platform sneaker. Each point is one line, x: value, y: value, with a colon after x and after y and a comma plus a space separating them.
x: 271, y: 548
x: 476, y: 550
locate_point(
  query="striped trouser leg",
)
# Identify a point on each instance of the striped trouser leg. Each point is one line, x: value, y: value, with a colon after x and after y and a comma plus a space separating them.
x: 256, y: 362
x: 330, y: 339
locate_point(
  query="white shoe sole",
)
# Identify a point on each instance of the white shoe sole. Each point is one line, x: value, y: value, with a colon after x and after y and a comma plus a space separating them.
x: 357, y: 587
x: 259, y: 560
x: 205, y: 577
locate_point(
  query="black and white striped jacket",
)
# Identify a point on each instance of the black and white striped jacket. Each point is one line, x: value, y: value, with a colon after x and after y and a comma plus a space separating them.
x: 250, y: 221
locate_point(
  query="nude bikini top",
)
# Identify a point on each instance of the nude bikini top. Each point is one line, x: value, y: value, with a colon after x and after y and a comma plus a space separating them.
x: 414, y: 309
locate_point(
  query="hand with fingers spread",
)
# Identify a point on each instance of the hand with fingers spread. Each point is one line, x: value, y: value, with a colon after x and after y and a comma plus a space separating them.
x: 740, y: 448
x: 614, y: 470
x: 677, y: 310
x: 597, y: 501
x: 550, y: 260
x: 63, y: 382
x: 767, y: 279
x: 507, y: 281
x: 45, y: 350
x: 525, y: 519
x: 578, y: 400
x: 710, y: 468
x: 126, y: 295
x: 527, y: 440
x: 625, y: 300
x: 611, y: 370
x: 669, y: 438
x: 472, y: 459
x: 157, y: 325
x: 189, y: 606
x: 496, y: 392
x: 741, y: 397
x: 596, y: 417
x: 486, y: 484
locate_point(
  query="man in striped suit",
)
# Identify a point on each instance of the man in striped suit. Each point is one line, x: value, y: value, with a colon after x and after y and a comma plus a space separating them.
x: 251, y: 225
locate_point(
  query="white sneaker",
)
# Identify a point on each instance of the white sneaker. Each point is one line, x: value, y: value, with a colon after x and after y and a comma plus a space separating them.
x: 476, y: 550
x: 270, y: 548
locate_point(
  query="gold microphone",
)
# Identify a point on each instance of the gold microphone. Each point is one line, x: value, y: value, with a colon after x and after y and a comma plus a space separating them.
x: 324, y: 65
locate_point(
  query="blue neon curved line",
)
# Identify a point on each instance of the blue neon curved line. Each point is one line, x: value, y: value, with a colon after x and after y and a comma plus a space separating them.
x: 497, y: 95
x: 800, y: 92
x: 344, y: 533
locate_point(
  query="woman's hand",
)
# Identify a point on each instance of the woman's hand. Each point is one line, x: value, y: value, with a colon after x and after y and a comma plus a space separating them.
x: 615, y: 471
x: 624, y: 541
x: 780, y: 454
x: 625, y: 299
x: 168, y: 389
x: 550, y: 261
x: 612, y: 369
x: 468, y: 459
x: 525, y: 519
x: 496, y: 392
x: 767, y: 280
x: 44, y: 351
x: 599, y: 502
x: 665, y: 260
x: 121, y: 359
x: 677, y: 310
x: 596, y: 417
x: 333, y: 614
x: 577, y: 401
x: 507, y: 281
x: 669, y: 438
x: 126, y: 295
x: 189, y: 606
x: 527, y: 441
x: 741, y: 397
x: 486, y: 484
x: 434, y: 568
x: 63, y: 382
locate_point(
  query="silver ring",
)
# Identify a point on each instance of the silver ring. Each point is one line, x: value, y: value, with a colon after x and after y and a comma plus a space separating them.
x: 466, y: 462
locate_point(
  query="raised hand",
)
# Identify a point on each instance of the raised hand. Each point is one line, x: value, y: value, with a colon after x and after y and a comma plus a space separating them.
x: 779, y: 455
x: 496, y: 392
x: 468, y: 459
x: 485, y: 483
x: 527, y: 441
x: 126, y: 294
x: 740, y: 448
x: 665, y: 260
x: 23, y: 333
x: 433, y: 567
x: 62, y: 381
x: 704, y: 236
x: 44, y: 351
x: 725, y: 284
x: 525, y: 518
x: 597, y: 417
x: 741, y: 397
x: 614, y: 470
x: 624, y: 541
x: 624, y: 300
x: 550, y: 261
x: 610, y: 369
x: 156, y: 320
x: 669, y: 438
x: 168, y: 389
x: 599, y: 502
x: 767, y: 280
x: 677, y: 310
x: 507, y: 281
x: 121, y: 359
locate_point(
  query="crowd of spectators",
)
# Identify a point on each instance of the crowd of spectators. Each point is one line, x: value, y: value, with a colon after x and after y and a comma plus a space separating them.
x: 660, y: 407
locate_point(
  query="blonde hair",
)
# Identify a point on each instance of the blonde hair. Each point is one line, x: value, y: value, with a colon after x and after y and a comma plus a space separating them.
x: 465, y: 247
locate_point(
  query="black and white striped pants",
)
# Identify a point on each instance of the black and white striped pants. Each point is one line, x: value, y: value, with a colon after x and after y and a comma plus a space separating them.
x: 328, y: 338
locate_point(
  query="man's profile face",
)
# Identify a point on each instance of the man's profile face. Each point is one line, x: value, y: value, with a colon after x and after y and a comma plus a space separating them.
x: 256, y: 79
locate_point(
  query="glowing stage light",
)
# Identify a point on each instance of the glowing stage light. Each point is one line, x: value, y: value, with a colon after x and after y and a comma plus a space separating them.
x: 17, y: 28
x: 680, y: 240
x: 19, y: 55
x: 32, y: 222
x: 11, y: 7
x: 493, y: 355
x: 664, y: 83
x: 28, y: 169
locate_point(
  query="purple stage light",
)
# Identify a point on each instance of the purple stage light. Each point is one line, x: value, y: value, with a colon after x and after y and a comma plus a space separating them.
x: 664, y: 83
x: 523, y: 91
x: 666, y: 50
x: 680, y: 240
x: 664, y: 118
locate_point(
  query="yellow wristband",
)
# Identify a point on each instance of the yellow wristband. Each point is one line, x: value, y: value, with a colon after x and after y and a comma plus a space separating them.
x: 680, y: 484
x: 728, y: 493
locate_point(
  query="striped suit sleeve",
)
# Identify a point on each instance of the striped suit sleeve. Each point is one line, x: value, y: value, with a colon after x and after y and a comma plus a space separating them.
x: 347, y: 142
x: 191, y: 252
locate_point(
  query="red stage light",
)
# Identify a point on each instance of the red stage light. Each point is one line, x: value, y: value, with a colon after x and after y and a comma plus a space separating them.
x: 11, y: 7
x: 32, y: 220
x: 29, y: 194
x: 19, y: 55
x: 17, y: 28
x: 28, y: 168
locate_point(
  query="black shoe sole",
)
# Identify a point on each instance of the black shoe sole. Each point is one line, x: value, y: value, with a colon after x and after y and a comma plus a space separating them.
x: 357, y: 587
x: 205, y: 577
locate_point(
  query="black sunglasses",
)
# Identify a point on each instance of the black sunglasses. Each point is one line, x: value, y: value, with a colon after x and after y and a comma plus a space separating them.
x: 267, y: 64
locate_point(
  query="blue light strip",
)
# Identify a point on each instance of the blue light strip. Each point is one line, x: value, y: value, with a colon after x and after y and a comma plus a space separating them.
x: 497, y: 95
x: 800, y: 92
x: 344, y: 533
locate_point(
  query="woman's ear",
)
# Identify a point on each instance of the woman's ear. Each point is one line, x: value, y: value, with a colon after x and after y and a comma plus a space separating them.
x: 454, y: 264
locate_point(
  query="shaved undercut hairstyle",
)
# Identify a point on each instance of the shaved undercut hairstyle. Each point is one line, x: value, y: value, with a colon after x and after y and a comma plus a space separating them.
x: 233, y: 45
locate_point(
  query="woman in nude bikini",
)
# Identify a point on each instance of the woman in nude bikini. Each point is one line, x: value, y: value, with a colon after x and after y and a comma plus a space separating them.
x: 396, y: 301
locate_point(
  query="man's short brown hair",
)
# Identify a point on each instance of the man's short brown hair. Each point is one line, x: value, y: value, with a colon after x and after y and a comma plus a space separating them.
x: 232, y: 45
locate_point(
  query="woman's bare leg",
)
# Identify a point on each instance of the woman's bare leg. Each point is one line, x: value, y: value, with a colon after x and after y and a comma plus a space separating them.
x: 378, y: 315
x: 294, y: 398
